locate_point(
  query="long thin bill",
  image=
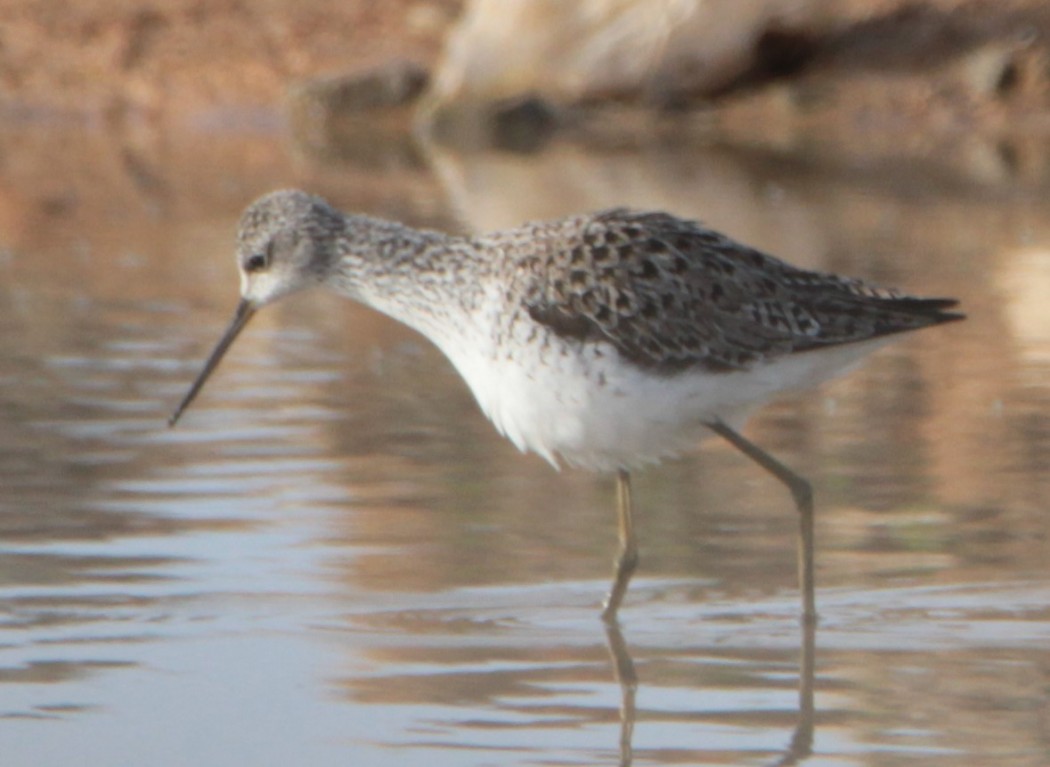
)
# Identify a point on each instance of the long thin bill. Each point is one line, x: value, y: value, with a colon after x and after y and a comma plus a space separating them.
x: 244, y: 312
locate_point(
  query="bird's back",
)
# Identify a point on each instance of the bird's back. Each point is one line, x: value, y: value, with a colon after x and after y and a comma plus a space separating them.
x: 672, y: 295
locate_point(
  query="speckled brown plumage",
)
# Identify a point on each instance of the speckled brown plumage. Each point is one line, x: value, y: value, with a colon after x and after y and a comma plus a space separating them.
x: 670, y: 294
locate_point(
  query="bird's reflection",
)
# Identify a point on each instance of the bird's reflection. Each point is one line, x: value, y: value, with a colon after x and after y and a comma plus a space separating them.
x: 799, y: 747
x: 801, y: 744
x: 627, y: 678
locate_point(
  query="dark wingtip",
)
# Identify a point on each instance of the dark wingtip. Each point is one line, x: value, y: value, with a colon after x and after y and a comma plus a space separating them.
x: 932, y: 309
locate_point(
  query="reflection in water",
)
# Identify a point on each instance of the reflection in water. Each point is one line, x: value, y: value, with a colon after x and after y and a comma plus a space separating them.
x: 336, y: 561
x: 497, y: 673
x: 627, y: 678
x: 801, y: 743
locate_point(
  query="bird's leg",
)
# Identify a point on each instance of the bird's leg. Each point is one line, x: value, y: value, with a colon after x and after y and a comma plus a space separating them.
x: 627, y: 559
x: 802, y: 492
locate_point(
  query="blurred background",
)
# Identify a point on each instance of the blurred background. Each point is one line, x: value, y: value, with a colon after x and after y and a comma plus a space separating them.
x: 334, y: 559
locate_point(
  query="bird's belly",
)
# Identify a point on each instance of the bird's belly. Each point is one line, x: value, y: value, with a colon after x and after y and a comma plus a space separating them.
x: 586, y: 406
x: 601, y: 420
x: 605, y: 415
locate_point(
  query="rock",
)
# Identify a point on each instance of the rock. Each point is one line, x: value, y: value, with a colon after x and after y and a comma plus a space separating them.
x: 571, y: 52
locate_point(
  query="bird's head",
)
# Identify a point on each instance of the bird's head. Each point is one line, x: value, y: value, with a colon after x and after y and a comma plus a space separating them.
x: 286, y: 241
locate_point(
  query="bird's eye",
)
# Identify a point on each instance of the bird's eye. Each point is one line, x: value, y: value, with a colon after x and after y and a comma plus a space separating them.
x: 255, y: 262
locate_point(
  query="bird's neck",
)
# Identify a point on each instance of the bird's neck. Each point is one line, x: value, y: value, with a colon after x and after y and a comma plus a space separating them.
x: 420, y: 277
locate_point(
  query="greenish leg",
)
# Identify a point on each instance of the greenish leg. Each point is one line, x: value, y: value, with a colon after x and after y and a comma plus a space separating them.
x: 627, y: 560
x: 802, y: 492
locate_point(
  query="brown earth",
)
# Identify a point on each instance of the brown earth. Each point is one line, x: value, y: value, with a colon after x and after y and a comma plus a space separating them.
x: 927, y: 79
x: 951, y: 64
x: 181, y: 59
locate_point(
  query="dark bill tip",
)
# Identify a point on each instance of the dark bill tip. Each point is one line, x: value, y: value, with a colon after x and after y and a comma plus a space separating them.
x: 245, y: 310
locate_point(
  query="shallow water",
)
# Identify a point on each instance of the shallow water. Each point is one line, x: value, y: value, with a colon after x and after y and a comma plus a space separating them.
x: 335, y: 560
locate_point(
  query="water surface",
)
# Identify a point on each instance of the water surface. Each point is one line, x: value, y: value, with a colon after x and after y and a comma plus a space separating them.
x: 334, y: 559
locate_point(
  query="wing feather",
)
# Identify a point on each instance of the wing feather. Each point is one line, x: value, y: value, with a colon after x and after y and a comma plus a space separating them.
x: 671, y: 294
